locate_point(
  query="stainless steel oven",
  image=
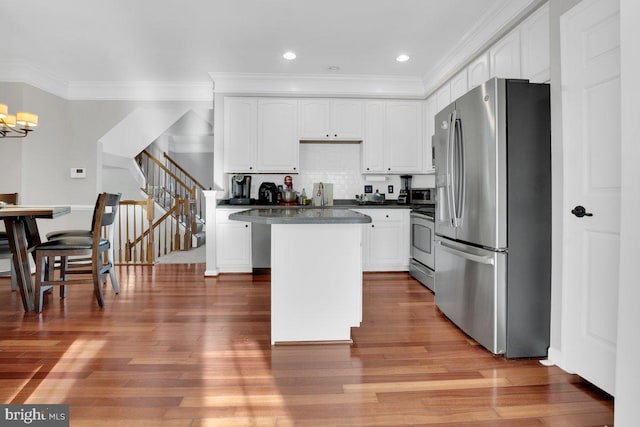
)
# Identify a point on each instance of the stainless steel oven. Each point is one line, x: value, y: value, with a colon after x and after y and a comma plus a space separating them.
x: 422, y: 263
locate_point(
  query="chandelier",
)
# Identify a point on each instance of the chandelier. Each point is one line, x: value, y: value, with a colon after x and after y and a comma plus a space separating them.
x: 17, y: 126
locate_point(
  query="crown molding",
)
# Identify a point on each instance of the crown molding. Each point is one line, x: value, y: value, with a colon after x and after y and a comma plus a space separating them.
x: 21, y: 72
x: 499, y: 20
x: 141, y: 91
x: 370, y: 86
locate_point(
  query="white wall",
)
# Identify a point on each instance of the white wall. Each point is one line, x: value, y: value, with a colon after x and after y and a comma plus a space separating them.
x: 338, y: 164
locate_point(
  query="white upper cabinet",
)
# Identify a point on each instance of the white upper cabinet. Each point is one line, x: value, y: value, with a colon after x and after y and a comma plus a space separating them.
x: 478, y: 71
x: 443, y: 96
x: 403, y: 137
x: 534, y: 42
x: 504, y: 57
x: 240, y: 134
x: 260, y: 135
x: 373, y: 143
x: 393, y: 137
x: 331, y: 119
x: 430, y: 112
x: 277, y: 135
x: 459, y: 85
x: 346, y: 119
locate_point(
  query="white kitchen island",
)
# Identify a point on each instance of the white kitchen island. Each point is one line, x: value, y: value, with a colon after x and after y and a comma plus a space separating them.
x: 316, y: 272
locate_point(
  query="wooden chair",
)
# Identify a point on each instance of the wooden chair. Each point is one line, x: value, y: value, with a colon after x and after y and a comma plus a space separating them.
x: 5, y: 249
x: 93, y: 246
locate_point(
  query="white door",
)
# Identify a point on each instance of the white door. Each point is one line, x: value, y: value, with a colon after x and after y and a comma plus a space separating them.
x: 590, y: 34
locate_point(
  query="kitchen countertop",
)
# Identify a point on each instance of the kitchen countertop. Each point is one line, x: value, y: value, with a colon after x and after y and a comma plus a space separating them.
x: 337, y: 204
x: 300, y: 215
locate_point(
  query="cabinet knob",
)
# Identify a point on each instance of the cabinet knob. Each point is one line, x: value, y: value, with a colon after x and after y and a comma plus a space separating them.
x: 387, y: 216
x: 367, y: 168
x: 294, y: 168
x: 246, y: 226
x: 335, y: 135
x: 389, y: 169
x: 250, y: 167
x: 372, y: 225
x: 327, y: 135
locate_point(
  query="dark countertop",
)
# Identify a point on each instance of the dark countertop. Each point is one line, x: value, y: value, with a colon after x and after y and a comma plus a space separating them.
x: 337, y: 204
x: 300, y: 215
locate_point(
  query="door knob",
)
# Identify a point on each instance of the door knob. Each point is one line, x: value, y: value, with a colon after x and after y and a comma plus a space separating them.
x: 580, y: 211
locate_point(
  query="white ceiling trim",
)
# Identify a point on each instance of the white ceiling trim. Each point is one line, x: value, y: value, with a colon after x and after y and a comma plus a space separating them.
x: 19, y: 72
x: 317, y: 85
x: 141, y: 91
x: 501, y: 19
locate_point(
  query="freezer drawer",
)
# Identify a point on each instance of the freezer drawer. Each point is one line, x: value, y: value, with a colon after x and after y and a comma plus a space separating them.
x: 470, y: 289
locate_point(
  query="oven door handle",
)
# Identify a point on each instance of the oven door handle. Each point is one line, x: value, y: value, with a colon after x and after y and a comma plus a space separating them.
x: 471, y: 257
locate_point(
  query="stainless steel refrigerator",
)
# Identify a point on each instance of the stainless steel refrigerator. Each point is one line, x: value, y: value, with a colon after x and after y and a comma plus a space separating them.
x: 493, y: 216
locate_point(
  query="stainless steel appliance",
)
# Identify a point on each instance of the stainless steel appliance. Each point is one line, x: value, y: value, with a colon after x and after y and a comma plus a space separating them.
x: 423, y: 196
x: 422, y: 263
x: 493, y: 226
x: 404, y: 196
x: 268, y: 193
x: 240, y: 190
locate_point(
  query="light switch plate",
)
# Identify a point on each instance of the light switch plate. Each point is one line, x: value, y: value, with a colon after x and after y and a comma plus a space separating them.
x: 390, y: 189
x: 78, y: 173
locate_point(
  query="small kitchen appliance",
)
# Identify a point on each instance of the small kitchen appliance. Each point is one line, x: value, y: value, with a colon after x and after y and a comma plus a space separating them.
x: 268, y: 194
x: 404, y: 196
x: 240, y: 190
x: 288, y: 196
x: 422, y: 196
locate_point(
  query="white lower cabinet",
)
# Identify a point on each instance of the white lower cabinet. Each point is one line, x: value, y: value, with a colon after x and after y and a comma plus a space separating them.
x: 385, y: 241
x: 233, y: 243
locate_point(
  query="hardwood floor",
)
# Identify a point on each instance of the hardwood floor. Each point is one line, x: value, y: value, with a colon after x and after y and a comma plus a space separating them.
x: 178, y: 349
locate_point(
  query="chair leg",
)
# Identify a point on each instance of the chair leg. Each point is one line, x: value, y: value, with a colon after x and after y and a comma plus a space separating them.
x: 114, y: 280
x: 97, y: 285
x: 41, y: 271
x: 14, y: 279
x: 64, y: 264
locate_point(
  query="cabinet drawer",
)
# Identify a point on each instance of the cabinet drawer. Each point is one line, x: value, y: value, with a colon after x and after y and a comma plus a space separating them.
x: 384, y: 215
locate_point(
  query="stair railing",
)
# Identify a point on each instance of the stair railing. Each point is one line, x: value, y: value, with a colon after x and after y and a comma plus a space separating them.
x: 165, y: 186
x: 141, y: 240
x: 191, y: 182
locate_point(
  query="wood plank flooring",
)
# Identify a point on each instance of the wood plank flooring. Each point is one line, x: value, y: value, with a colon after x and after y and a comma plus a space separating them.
x: 178, y: 349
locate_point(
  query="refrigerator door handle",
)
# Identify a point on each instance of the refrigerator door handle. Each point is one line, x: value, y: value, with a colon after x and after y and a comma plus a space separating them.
x: 488, y: 260
x: 451, y: 168
x: 460, y: 172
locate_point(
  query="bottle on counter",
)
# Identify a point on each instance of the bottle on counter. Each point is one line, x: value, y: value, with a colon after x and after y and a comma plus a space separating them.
x: 303, y: 197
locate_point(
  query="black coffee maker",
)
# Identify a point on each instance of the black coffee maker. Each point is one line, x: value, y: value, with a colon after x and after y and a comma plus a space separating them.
x: 240, y: 190
x: 268, y: 194
x: 404, y: 196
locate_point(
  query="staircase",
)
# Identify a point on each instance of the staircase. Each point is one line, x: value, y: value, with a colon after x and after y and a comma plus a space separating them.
x: 169, y: 184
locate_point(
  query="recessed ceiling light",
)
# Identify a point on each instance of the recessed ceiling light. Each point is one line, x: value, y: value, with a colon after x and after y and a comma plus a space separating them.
x: 402, y: 58
x: 333, y: 68
x: 289, y: 55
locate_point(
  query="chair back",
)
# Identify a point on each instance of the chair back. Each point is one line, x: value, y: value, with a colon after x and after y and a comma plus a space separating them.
x: 10, y: 198
x: 105, y: 213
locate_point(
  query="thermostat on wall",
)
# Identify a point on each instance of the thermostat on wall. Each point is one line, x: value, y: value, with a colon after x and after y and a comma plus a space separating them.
x: 78, y: 173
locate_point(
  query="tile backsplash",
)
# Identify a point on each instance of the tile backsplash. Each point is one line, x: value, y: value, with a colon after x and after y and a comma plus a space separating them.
x: 339, y: 164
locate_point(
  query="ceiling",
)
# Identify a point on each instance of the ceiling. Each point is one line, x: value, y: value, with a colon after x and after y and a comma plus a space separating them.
x: 100, y: 41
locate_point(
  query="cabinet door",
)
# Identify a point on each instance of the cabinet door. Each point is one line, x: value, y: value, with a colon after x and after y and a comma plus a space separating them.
x: 346, y: 119
x: 478, y: 71
x: 443, y: 96
x: 233, y: 246
x: 373, y: 141
x: 430, y: 116
x: 534, y: 40
x: 315, y: 119
x: 504, y: 57
x: 278, y: 143
x: 403, y: 136
x: 459, y: 85
x: 240, y: 130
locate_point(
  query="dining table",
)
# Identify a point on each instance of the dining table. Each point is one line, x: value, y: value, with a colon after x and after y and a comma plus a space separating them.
x: 22, y: 232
